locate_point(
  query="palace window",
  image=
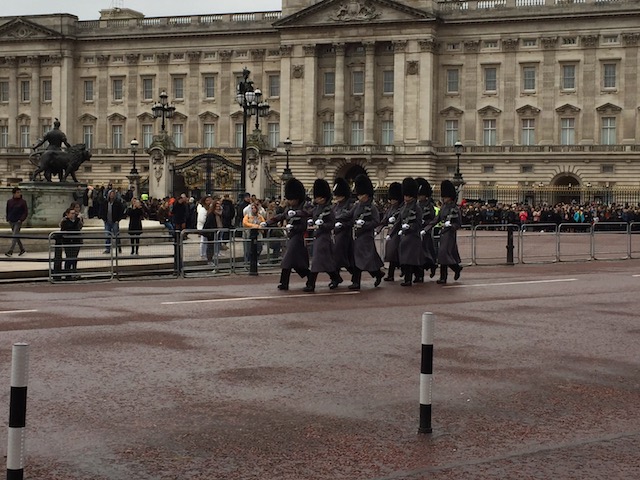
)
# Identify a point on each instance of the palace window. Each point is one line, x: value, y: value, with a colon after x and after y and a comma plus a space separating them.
x: 178, y: 135
x: 274, y: 86
x: 528, y: 131
x: 608, y: 131
x: 47, y: 91
x: 117, y: 136
x: 387, y: 132
x: 567, y: 131
x: 209, y: 135
x: 328, y: 133
x: 4, y: 136
x: 209, y: 87
x: 147, y: 88
x: 357, y: 132
x: 453, y: 80
x: 387, y: 82
x: 568, y: 77
x: 4, y: 91
x: 329, y: 83
x: 609, y: 76
x: 88, y: 90
x: 25, y: 91
x: 25, y: 136
x: 358, y: 83
x: 273, y: 134
x: 178, y: 88
x: 490, y: 79
x: 147, y: 135
x: 489, y: 133
x: 87, y: 136
x: 529, y: 79
x: 118, y: 90
x: 451, y: 132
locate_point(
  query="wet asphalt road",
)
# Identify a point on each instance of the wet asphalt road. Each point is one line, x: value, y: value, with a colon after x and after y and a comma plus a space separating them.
x: 536, y: 376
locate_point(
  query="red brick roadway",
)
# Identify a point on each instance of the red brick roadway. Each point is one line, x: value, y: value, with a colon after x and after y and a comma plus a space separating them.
x: 535, y: 377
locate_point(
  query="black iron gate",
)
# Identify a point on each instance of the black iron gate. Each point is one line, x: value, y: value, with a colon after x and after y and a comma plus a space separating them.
x: 207, y: 174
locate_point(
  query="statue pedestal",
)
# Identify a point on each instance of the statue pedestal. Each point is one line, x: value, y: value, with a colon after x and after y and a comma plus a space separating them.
x: 47, y: 201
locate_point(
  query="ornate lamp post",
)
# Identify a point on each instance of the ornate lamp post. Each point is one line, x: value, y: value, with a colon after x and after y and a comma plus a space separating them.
x: 250, y: 100
x: 457, y: 177
x: 163, y: 109
x: 134, y: 176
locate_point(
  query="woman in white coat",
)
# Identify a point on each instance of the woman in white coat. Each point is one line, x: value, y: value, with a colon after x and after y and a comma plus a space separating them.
x: 201, y: 216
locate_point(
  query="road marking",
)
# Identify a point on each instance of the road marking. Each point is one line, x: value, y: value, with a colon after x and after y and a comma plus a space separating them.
x: 17, y: 311
x: 528, y: 282
x: 242, y: 299
x: 635, y: 275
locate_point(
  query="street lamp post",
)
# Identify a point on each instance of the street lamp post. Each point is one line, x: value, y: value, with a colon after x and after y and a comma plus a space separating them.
x: 457, y: 177
x: 134, y: 176
x: 250, y: 100
x: 163, y: 109
x: 286, y: 174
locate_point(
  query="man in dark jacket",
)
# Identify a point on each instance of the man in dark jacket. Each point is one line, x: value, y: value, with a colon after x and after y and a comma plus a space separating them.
x: 17, y: 213
x: 111, y: 212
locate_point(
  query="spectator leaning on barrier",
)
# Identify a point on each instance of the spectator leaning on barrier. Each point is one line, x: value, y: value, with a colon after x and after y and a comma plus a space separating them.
x: 72, y: 242
x: 17, y: 212
x: 111, y: 212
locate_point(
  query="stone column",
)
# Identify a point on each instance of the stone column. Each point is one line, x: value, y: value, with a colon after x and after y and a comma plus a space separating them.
x: 309, y: 97
x: 132, y: 99
x: 472, y: 86
x: 194, y: 93
x: 509, y: 118
x: 35, y: 127
x: 425, y: 97
x: 338, y: 118
x: 369, y: 93
x: 12, y: 63
x: 102, y: 87
x: 630, y: 77
x: 398, y: 91
x: 547, y: 132
x: 587, y: 124
x: 227, y: 99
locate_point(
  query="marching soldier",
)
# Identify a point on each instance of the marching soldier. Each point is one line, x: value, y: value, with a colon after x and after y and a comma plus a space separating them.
x: 449, y: 214
x: 428, y: 213
x: 392, y: 241
x: 296, y: 256
x: 343, y: 241
x: 322, y: 222
x: 366, y: 218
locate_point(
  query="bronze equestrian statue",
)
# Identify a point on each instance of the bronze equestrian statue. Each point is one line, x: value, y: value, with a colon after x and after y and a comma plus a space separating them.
x: 54, y: 160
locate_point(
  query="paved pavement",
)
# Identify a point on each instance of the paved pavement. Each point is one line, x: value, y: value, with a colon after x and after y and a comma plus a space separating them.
x: 535, y: 377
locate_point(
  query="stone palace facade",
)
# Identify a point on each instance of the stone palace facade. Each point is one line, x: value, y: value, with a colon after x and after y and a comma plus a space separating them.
x: 539, y: 92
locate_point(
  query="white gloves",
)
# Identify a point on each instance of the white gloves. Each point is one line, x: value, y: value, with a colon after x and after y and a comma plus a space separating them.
x: 263, y: 224
x: 392, y: 219
x: 289, y: 227
x: 291, y: 213
x: 447, y: 223
x: 310, y: 222
x: 319, y: 222
x: 338, y: 225
x: 400, y: 233
x: 388, y: 237
x: 359, y: 222
x: 406, y: 226
x: 423, y: 233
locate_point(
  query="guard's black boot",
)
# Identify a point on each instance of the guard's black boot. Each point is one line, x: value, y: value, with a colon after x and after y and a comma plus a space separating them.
x: 311, y: 282
x: 407, y: 277
x: 433, y: 268
x: 355, y: 280
x: 336, y: 280
x: 418, y: 275
x: 457, y: 269
x: 284, y: 279
x: 378, y: 276
x: 443, y: 274
x: 391, y: 273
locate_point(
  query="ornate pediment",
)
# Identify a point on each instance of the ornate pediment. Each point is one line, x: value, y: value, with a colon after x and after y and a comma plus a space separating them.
x: 489, y: 111
x: 146, y: 117
x: 116, y: 118
x: 528, y: 110
x: 451, y: 112
x: 21, y: 30
x: 567, y: 109
x: 608, y: 109
x: 348, y: 12
x: 210, y: 116
x: 87, y: 118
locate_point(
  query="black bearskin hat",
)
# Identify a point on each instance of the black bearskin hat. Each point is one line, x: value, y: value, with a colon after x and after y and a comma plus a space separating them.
x: 321, y: 189
x: 294, y: 190
x: 410, y: 187
x: 447, y: 189
x: 341, y: 188
x: 395, y: 191
x: 423, y: 187
x: 363, y: 185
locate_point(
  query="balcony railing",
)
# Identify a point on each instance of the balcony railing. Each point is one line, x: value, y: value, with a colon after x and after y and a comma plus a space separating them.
x: 454, y: 5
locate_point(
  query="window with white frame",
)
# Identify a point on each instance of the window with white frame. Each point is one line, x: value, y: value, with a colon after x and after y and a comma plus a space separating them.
x: 25, y: 91
x: 609, y: 76
x: 608, y: 132
x: 209, y: 87
x: 489, y: 134
x: 490, y: 79
x: 25, y: 136
x: 528, y: 131
x: 568, y: 77
x: 117, y: 136
x: 450, y: 132
x: 529, y: 78
x: 273, y: 134
x: 47, y: 90
x: 4, y: 136
x: 4, y: 91
x: 45, y: 128
x: 88, y: 90
x: 209, y: 135
x: 147, y: 135
x: 357, y: 132
x: 87, y: 136
x: 147, y: 89
x: 238, y: 134
x: 567, y: 131
x: 453, y: 80
x: 387, y: 132
x: 118, y: 89
x: 387, y: 82
x: 274, y: 86
x: 178, y: 135
x: 329, y: 83
x: 328, y: 133
x: 178, y: 88
x: 358, y: 82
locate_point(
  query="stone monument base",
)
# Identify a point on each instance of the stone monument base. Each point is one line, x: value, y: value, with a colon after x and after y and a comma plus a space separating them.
x: 47, y: 201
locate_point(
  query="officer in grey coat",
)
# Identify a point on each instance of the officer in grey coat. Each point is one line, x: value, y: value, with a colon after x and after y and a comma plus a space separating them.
x: 449, y: 215
x: 365, y: 218
x: 425, y: 201
x: 342, y: 237
x: 322, y: 223
x: 296, y: 255
x: 392, y: 242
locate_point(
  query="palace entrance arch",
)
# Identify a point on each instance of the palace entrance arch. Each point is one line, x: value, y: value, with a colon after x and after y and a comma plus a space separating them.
x: 208, y: 173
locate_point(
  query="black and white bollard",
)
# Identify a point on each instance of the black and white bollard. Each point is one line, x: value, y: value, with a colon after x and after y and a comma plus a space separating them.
x: 426, y: 372
x: 17, y: 411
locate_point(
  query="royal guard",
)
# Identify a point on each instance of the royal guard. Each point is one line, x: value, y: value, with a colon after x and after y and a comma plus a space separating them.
x: 449, y: 215
x: 322, y: 223
x: 365, y: 218
x: 426, y: 204
x: 388, y: 221
x: 296, y: 255
x: 342, y: 237
x: 407, y: 228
